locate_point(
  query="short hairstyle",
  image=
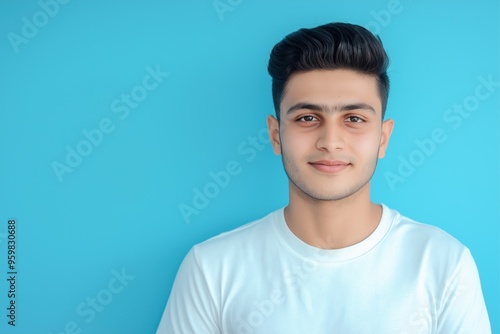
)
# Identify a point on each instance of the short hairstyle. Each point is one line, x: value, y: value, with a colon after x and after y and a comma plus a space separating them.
x: 328, y: 47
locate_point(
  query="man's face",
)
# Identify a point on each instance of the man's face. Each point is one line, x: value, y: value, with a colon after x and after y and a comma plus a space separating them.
x: 330, y: 133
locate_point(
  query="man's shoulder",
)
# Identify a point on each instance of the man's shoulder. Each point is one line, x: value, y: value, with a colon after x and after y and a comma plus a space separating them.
x: 424, y: 235
x: 248, y: 236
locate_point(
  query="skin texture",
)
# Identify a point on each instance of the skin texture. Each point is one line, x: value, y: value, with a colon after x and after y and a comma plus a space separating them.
x: 330, y: 136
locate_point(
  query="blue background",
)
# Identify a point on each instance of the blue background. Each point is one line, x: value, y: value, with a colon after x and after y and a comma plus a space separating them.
x: 118, y: 210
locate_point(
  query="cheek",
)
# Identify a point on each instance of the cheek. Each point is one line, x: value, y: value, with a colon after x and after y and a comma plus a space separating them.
x: 294, y: 144
x: 365, y: 145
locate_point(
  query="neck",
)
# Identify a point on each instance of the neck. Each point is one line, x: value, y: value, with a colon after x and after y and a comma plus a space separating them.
x: 332, y: 224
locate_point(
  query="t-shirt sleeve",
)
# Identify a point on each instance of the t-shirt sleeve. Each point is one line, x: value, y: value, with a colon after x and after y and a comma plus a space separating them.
x: 463, y: 310
x: 190, y: 308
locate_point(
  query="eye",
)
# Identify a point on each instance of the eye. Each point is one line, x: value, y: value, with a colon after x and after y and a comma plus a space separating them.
x: 307, y: 118
x: 354, y: 119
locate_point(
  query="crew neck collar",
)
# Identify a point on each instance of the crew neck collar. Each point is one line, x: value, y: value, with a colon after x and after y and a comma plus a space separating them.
x: 333, y: 255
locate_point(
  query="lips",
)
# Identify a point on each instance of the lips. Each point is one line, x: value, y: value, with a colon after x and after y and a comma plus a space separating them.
x: 330, y: 166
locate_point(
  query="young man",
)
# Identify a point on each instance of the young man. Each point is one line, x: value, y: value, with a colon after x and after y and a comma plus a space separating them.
x: 331, y: 261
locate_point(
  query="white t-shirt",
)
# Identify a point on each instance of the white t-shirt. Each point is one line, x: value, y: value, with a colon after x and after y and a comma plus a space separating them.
x: 406, y: 277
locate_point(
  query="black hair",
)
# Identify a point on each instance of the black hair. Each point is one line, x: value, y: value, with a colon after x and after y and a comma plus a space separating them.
x: 327, y: 47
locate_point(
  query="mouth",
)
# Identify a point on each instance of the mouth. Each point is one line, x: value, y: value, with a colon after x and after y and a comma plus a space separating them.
x: 330, y: 166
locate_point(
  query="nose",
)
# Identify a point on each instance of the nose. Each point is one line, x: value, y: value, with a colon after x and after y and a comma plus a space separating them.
x: 330, y: 138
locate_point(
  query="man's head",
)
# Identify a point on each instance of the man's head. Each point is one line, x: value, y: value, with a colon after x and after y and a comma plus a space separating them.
x: 330, y: 90
x: 328, y: 47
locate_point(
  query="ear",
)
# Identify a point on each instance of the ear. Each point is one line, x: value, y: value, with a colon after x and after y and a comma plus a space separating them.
x: 387, y: 127
x: 274, y: 133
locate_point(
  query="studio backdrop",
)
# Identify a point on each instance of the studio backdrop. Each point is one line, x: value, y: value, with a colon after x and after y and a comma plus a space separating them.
x: 132, y: 130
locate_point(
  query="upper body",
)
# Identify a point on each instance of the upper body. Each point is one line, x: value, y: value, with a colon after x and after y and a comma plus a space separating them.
x: 405, y: 277
x: 377, y: 272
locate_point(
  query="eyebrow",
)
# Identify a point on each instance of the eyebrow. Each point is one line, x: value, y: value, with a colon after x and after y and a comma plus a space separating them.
x: 329, y: 109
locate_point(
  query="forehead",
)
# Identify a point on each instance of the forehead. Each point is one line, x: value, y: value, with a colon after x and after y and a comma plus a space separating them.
x: 332, y: 87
